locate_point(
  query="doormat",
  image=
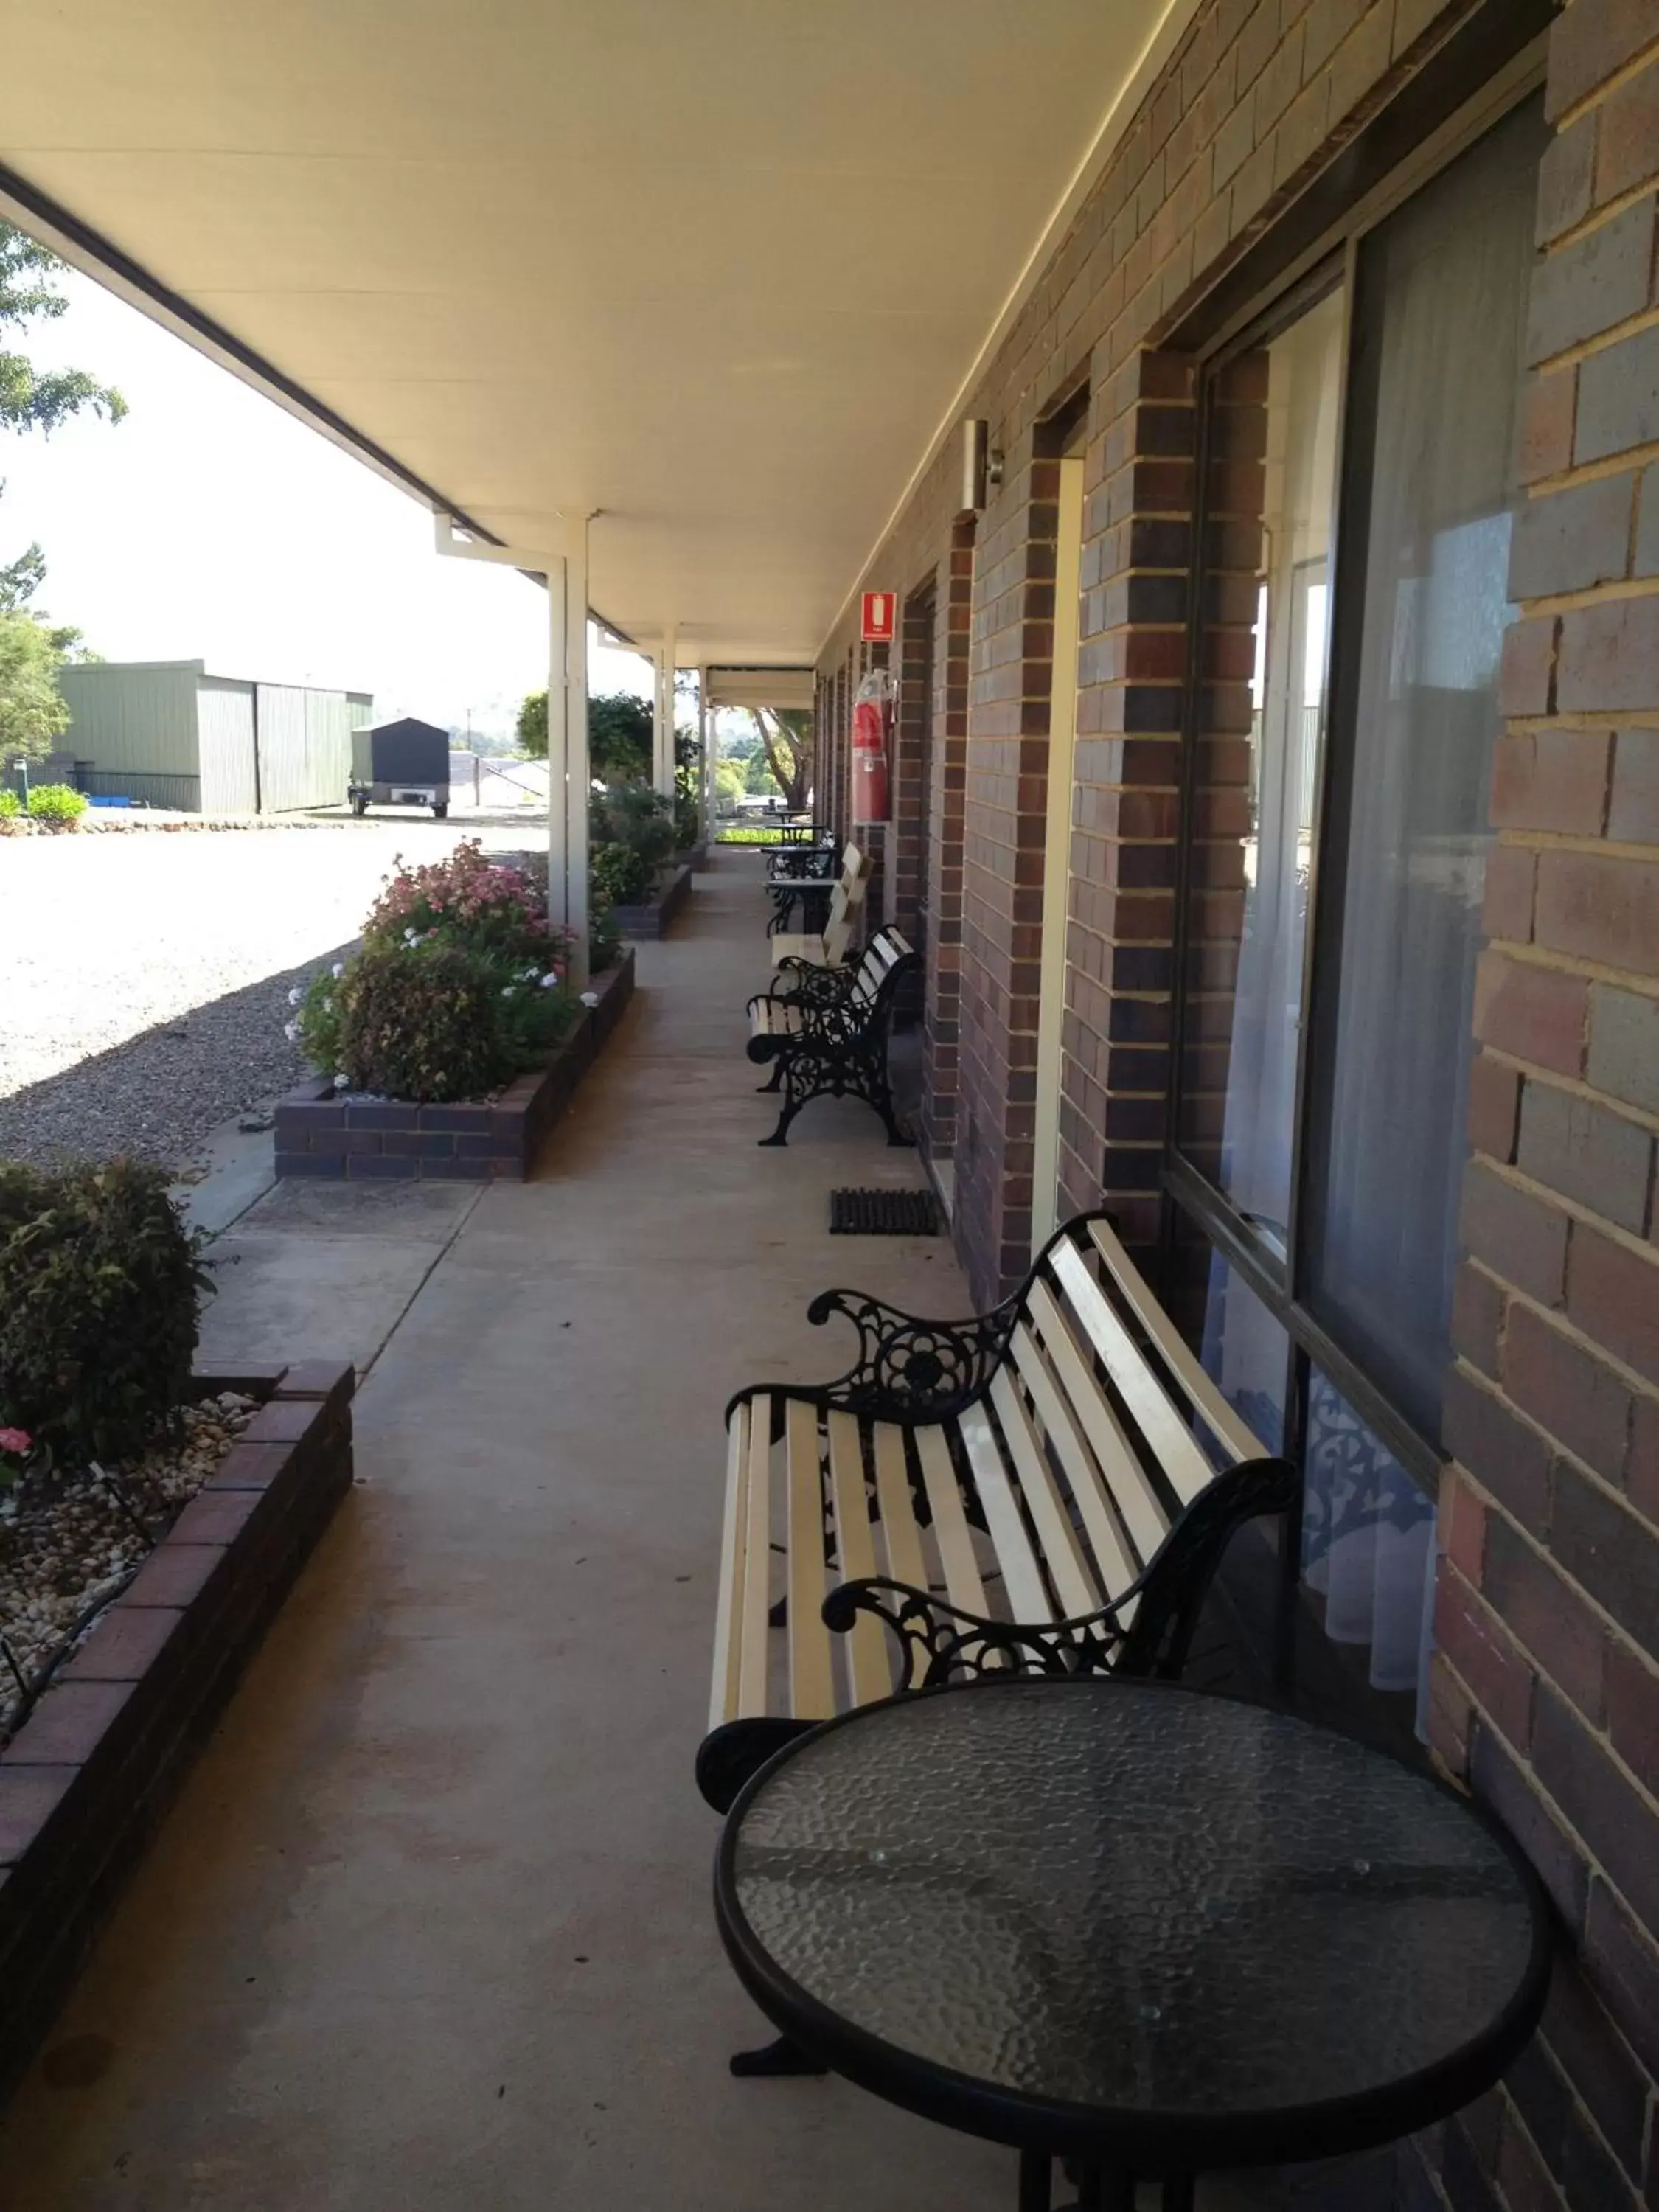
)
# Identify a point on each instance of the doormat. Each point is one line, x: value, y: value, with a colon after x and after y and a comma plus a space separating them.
x: 884, y: 1213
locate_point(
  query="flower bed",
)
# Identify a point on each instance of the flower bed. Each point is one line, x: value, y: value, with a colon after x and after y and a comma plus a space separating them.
x: 85, y: 1780
x: 150, y: 1520
x: 322, y: 1132
x: 72, y: 1540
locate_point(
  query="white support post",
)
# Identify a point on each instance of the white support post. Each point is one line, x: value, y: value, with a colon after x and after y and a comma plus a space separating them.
x: 705, y: 762
x: 663, y: 746
x: 569, y: 772
x: 578, y: 771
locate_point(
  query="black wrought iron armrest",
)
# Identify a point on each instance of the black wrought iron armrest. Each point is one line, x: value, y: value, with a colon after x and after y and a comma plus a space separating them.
x: 802, y: 981
x: 1146, y: 1631
x: 909, y: 1367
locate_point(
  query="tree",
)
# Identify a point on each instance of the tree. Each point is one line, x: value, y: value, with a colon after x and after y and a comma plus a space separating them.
x: 729, y: 783
x: 758, y: 779
x: 21, y: 579
x: 531, y: 726
x: 30, y: 399
x: 786, y: 736
x: 32, y: 709
x: 618, y: 733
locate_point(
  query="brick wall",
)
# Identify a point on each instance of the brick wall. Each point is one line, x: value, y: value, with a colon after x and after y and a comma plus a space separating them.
x: 1546, y: 1681
x: 1545, y: 1684
x: 1260, y: 99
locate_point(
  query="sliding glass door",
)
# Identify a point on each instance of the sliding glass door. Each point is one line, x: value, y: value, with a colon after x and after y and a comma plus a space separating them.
x: 1358, y: 472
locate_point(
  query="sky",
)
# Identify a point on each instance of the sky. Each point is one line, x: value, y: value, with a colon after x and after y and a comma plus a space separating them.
x: 211, y: 525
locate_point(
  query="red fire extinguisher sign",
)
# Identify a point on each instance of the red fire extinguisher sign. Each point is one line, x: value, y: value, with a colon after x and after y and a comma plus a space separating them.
x: 879, y: 610
x: 872, y: 726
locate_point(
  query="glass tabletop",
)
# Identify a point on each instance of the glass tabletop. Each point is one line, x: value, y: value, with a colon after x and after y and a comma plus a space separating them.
x: 1171, y: 1910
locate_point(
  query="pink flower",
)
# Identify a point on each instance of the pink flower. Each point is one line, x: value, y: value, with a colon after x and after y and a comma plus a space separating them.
x: 16, y: 1440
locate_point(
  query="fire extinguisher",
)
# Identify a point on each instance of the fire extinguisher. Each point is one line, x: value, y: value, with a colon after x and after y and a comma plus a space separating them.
x: 872, y: 726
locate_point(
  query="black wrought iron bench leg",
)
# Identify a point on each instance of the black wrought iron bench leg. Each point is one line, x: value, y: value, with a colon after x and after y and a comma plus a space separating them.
x: 774, y: 1082
x: 1036, y: 2176
x: 792, y: 1102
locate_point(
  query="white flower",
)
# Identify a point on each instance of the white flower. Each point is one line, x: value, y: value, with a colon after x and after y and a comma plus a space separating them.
x: 297, y: 996
x: 507, y: 989
x: 590, y: 998
x: 549, y: 982
x: 411, y: 936
x: 291, y: 1031
x: 339, y: 1083
x: 337, y: 971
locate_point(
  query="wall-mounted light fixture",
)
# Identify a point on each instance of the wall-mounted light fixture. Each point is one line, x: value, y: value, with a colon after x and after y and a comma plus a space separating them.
x: 981, y: 466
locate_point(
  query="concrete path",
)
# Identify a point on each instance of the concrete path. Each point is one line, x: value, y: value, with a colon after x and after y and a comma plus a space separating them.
x: 429, y: 1930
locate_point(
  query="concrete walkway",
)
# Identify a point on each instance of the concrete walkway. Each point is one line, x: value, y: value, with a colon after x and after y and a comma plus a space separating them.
x: 429, y: 1930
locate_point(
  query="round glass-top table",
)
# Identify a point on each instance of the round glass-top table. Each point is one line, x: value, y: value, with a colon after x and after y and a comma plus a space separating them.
x: 1151, y: 1932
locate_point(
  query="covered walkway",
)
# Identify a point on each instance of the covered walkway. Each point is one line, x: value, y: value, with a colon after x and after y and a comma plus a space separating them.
x: 429, y: 1930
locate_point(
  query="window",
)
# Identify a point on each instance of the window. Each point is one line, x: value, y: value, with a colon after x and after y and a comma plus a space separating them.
x: 1358, y: 444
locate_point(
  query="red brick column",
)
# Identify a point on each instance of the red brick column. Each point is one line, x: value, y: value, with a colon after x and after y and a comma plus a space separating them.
x: 1546, y: 1686
x: 946, y: 802
x: 1132, y: 664
x: 1010, y: 665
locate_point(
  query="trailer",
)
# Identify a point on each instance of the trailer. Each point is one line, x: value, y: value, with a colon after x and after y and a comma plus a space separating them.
x: 402, y: 764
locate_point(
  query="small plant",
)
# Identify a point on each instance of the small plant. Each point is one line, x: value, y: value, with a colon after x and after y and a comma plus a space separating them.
x: 603, y: 934
x: 10, y: 806
x: 315, y: 1027
x: 100, y: 1292
x: 621, y: 876
x: 57, y: 804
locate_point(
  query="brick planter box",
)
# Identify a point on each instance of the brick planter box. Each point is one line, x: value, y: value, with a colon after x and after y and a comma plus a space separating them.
x: 653, y: 920
x: 694, y: 857
x: 474, y: 1141
x: 86, y: 1780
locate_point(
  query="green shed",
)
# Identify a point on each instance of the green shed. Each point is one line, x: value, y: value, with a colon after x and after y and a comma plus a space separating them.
x: 168, y: 733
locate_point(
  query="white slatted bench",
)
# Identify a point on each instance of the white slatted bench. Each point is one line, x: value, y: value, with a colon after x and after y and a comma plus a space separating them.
x: 829, y: 947
x: 826, y: 1032
x: 1049, y: 1487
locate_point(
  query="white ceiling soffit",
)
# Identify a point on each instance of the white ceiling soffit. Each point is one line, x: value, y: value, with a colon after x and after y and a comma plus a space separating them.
x: 759, y: 687
x: 716, y: 269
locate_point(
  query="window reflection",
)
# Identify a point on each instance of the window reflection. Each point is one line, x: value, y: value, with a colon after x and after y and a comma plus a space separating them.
x: 1367, y: 1542
x: 1253, y: 845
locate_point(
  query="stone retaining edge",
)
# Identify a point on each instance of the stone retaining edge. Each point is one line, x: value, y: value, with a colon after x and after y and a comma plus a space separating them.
x: 86, y: 1781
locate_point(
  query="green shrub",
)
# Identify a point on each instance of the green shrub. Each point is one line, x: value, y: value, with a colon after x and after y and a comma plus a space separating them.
x: 421, y: 1024
x: 10, y: 806
x: 622, y: 876
x: 749, y: 834
x: 432, y: 1021
x: 100, y: 1291
x: 634, y: 815
x: 603, y: 934
x: 316, y: 1024
x: 57, y: 803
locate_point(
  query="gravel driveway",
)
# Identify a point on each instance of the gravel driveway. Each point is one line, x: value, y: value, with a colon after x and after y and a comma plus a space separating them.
x: 144, y: 979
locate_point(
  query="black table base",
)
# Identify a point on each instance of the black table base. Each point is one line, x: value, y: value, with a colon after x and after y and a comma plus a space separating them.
x: 1100, y: 2189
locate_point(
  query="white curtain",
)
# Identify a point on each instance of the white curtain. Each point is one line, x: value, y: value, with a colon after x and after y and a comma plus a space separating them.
x: 1441, y: 314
